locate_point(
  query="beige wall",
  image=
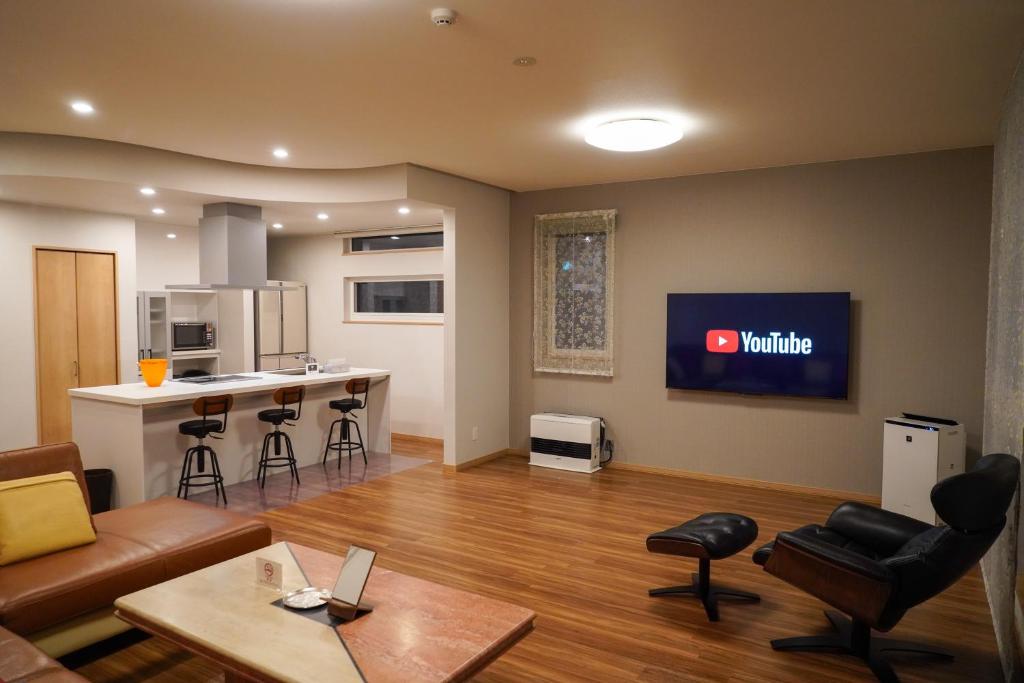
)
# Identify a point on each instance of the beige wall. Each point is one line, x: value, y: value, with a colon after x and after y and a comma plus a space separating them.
x: 22, y: 227
x: 907, y: 235
x: 414, y: 353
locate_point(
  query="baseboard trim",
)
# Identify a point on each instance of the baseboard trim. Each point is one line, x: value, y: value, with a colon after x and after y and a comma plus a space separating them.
x: 749, y: 483
x: 430, y: 440
x: 463, y: 466
x: 721, y: 479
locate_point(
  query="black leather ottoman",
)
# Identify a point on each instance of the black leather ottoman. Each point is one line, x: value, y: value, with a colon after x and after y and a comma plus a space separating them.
x: 711, y: 536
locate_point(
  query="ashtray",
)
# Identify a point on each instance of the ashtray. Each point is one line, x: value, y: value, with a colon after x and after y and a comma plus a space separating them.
x: 306, y: 598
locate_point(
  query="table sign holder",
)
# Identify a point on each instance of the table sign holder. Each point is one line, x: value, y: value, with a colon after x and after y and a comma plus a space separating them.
x: 269, y: 573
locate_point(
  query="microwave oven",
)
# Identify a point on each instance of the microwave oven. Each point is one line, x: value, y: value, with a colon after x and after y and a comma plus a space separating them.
x: 192, y: 336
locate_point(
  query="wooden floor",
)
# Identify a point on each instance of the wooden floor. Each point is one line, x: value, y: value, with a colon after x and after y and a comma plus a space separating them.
x: 281, y: 489
x: 417, y: 446
x: 571, y: 547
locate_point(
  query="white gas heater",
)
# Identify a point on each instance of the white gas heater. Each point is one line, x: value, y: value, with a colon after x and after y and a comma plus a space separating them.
x: 566, y: 442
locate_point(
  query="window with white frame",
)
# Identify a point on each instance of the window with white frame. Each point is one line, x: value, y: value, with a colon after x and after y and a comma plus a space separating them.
x: 411, y: 298
x: 396, y: 241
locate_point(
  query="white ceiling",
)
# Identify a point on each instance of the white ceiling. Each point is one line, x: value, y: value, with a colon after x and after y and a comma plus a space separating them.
x: 355, y: 83
x: 186, y: 208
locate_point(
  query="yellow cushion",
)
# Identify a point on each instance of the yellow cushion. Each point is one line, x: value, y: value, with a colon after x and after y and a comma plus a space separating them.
x: 41, y: 515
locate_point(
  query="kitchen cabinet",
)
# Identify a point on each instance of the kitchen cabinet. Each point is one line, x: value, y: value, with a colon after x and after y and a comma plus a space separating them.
x: 280, y: 325
x: 154, y: 332
x: 268, y: 323
x: 293, y: 319
x: 157, y: 311
x: 279, y: 362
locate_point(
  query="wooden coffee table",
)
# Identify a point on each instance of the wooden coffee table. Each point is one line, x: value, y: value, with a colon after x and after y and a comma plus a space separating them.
x: 418, y: 630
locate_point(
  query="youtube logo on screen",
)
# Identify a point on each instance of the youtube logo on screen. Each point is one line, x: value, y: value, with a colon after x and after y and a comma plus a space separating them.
x: 728, y: 341
x: 723, y: 341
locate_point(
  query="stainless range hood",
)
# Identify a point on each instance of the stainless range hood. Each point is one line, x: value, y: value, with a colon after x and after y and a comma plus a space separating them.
x: 232, y: 249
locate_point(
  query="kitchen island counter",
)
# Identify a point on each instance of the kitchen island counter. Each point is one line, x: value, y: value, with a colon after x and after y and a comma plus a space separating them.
x: 132, y: 429
x: 138, y: 394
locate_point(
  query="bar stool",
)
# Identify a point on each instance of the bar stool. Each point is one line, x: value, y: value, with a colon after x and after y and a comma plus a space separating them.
x: 355, y: 387
x: 284, y: 397
x: 208, y: 407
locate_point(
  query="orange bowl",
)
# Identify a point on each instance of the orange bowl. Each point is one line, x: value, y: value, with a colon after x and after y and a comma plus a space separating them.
x: 153, y: 370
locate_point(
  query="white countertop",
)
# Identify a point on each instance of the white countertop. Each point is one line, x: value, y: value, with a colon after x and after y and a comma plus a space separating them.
x: 138, y: 394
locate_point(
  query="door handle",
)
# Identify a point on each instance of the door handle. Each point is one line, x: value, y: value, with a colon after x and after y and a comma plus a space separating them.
x: 74, y: 364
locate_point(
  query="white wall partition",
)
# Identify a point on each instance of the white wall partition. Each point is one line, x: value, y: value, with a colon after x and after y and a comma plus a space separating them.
x: 23, y: 227
x: 476, y: 297
x: 414, y: 353
x: 161, y: 261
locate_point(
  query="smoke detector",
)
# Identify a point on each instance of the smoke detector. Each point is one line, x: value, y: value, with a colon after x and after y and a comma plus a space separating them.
x: 442, y: 16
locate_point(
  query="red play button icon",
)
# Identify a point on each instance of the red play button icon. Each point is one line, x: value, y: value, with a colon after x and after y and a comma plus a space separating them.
x: 723, y: 341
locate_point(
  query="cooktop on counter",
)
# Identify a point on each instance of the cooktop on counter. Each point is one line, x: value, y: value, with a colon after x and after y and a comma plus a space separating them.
x: 214, y: 379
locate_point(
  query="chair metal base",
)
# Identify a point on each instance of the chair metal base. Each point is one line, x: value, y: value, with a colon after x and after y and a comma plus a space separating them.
x: 853, y: 637
x: 344, y: 442
x: 187, y: 480
x: 277, y: 460
x: 705, y: 591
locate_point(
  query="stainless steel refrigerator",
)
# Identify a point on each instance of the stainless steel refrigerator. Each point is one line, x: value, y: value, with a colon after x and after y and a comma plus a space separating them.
x: 280, y: 326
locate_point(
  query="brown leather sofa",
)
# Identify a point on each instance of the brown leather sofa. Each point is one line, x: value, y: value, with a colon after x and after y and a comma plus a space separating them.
x: 21, y: 662
x: 64, y: 601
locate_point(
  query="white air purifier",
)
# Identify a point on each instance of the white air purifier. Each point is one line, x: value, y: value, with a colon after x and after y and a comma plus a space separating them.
x: 565, y: 442
x: 916, y: 455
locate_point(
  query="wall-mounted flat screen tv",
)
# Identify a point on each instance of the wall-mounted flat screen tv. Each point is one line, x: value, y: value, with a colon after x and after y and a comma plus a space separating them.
x: 780, y: 344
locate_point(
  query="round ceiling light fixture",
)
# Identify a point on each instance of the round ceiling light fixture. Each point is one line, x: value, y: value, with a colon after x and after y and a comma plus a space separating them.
x: 322, y: 216
x: 633, y: 135
x: 82, y: 107
x: 277, y: 226
x: 404, y: 210
x: 158, y: 211
x: 280, y: 153
x: 171, y: 236
x: 148, y: 191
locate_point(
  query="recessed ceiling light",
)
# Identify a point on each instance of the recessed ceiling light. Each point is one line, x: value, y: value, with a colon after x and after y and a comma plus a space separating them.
x: 322, y: 216
x: 171, y: 235
x: 395, y: 237
x: 404, y: 210
x: 280, y: 153
x: 158, y: 211
x: 524, y: 61
x: 148, y: 191
x: 82, y: 107
x: 633, y: 135
x: 277, y: 226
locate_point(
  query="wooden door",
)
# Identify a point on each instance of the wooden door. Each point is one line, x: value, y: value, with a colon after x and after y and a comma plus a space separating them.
x: 56, y: 342
x: 76, y: 332
x: 97, y: 319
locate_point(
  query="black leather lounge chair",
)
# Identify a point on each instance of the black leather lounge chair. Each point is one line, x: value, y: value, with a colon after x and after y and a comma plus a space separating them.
x: 874, y: 565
